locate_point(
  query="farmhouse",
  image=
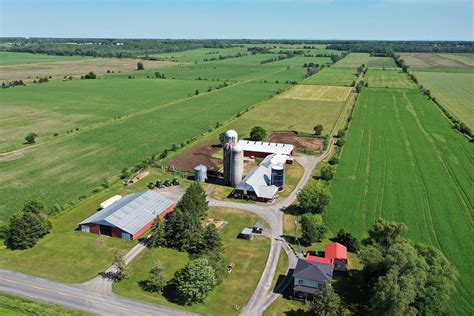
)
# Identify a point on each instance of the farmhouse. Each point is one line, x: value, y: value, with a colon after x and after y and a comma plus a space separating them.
x: 129, y: 217
x: 310, y: 276
x: 263, y: 149
x: 334, y: 253
x: 263, y: 182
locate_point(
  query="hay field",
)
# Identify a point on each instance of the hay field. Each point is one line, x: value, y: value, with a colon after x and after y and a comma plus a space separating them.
x: 467, y: 59
x: 13, y: 58
x: 381, y: 62
x: 378, y: 78
x: 331, y: 76
x: 402, y: 161
x: 353, y: 60
x: 453, y: 90
x: 431, y: 60
x: 200, y: 54
x: 317, y: 93
x: 60, y: 69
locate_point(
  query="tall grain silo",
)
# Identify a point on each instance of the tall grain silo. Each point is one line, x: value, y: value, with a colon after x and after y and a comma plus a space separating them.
x: 230, y: 140
x: 278, y: 177
x: 237, y: 166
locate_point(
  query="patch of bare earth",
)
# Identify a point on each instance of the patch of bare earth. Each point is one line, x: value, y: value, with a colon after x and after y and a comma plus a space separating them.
x: 288, y: 137
x: 201, y: 154
x: 76, y: 68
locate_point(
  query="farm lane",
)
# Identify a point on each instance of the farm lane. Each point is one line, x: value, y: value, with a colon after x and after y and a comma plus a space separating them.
x: 78, y: 298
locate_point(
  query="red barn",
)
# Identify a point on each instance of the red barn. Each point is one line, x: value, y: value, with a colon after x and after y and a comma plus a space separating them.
x: 129, y: 217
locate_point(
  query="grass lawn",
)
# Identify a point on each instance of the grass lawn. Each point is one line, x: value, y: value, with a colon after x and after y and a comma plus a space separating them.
x: 285, y: 306
x: 235, y: 290
x: 14, y: 305
x: 13, y: 58
x: 75, y: 256
x: 402, y: 161
x: 452, y: 90
x: 293, y: 174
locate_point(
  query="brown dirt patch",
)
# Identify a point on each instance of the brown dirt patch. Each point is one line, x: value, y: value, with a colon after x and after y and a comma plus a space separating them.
x: 201, y: 154
x: 219, y: 223
x: 301, y: 142
x: 76, y: 68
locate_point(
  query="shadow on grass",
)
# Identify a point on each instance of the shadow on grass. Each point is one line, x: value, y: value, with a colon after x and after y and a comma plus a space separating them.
x: 353, y: 289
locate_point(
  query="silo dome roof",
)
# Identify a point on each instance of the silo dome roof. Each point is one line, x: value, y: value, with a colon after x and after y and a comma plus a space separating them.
x: 231, y: 133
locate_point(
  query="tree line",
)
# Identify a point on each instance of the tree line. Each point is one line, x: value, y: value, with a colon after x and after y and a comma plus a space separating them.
x: 384, y: 47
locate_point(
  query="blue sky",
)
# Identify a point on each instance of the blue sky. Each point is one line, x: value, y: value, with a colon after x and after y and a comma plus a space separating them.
x: 287, y: 19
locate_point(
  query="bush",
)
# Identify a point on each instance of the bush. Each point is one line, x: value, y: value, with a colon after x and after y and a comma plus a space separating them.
x: 326, y: 173
x: 90, y: 75
x: 31, y: 138
x: 258, y: 133
x: 334, y: 160
x: 311, y: 229
x: 348, y: 240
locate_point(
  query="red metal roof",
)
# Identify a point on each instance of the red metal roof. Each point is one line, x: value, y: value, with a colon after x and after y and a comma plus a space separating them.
x: 335, y: 251
x: 318, y: 259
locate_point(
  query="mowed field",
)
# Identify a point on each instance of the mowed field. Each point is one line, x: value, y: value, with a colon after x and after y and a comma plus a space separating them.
x: 201, y: 54
x: 440, y: 62
x: 388, y: 78
x: 453, y: 90
x: 12, y: 58
x: 381, y: 62
x: 353, y: 60
x: 70, y: 166
x: 59, y: 69
x: 319, y: 93
x: 332, y: 76
x: 402, y: 161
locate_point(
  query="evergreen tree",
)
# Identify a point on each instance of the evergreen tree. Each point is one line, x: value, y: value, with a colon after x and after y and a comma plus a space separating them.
x: 157, y: 231
x: 194, y: 201
x: 156, y: 279
x: 326, y: 302
x: 211, y: 239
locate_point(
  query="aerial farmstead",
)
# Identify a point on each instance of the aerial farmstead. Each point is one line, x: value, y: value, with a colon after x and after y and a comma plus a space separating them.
x: 129, y: 217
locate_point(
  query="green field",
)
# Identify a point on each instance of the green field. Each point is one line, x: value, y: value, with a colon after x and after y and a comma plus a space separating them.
x: 454, y: 91
x: 83, y: 158
x: 12, y: 58
x: 353, y: 60
x: 249, y: 258
x: 378, y: 78
x: 331, y: 76
x: 402, y: 161
x: 57, y: 107
x: 13, y: 305
x: 381, y: 62
x: 200, y: 54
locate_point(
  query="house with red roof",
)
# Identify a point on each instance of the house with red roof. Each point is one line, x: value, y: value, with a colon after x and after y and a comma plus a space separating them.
x: 334, y: 253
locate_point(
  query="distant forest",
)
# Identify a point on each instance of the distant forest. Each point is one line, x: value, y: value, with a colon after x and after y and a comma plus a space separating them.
x: 122, y: 48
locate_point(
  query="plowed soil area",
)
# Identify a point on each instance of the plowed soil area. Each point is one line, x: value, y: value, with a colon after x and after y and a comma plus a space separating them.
x: 75, y: 68
x: 298, y: 141
x: 201, y: 154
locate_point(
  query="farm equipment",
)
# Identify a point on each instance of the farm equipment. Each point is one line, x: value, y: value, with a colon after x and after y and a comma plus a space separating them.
x: 175, y: 182
x: 151, y: 185
x: 159, y: 184
x: 167, y: 183
x: 257, y: 230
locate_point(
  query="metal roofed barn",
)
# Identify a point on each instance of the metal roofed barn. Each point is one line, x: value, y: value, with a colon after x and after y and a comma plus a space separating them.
x: 129, y: 217
x: 263, y: 149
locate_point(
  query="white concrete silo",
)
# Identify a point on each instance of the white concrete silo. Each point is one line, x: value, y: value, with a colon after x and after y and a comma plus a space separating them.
x: 237, y: 166
x: 230, y: 140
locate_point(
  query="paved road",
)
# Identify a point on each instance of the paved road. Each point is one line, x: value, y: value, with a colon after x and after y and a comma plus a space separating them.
x: 78, y: 298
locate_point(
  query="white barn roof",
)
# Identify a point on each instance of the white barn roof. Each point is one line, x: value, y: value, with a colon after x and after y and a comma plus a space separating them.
x: 265, y: 147
x: 132, y: 212
x: 259, y: 179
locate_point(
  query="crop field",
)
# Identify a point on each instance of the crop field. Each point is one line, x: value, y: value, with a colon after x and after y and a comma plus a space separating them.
x: 57, y: 107
x: 317, y: 93
x: 236, y: 288
x: 440, y: 61
x: 403, y: 161
x: 353, y: 60
x: 381, y: 62
x: 200, y: 54
x: 378, y: 78
x: 83, y: 158
x: 453, y: 90
x: 331, y: 76
x: 12, y: 58
x: 59, y: 69
x: 300, y: 61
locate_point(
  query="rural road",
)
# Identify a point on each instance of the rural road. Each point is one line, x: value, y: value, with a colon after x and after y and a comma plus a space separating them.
x: 96, y: 296
x: 78, y: 298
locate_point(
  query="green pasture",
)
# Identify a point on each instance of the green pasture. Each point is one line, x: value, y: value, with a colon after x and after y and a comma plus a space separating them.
x: 57, y: 107
x: 300, y: 61
x: 378, y: 78
x: 381, y: 62
x: 452, y: 90
x: 200, y: 54
x: 13, y: 58
x: 70, y: 166
x: 402, y: 161
x: 331, y: 76
x: 15, y: 305
x: 249, y: 258
x: 353, y: 60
